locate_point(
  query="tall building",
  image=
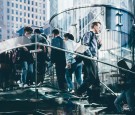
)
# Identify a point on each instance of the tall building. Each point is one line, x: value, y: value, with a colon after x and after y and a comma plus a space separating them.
x: 15, y: 14
x: 53, y: 7
x: 54, y: 10
x: 57, y: 6
x: 116, y: 17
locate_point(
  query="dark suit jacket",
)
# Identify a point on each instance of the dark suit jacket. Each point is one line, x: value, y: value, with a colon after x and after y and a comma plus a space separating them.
x: 56, y: 55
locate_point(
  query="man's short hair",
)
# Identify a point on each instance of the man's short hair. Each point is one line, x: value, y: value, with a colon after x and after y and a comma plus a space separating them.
x: 55, y: 32
x: 69, y: 36
x: 95, y: 24
x: 66, y: 35
x: 28, y: 29
x: 37, y: 31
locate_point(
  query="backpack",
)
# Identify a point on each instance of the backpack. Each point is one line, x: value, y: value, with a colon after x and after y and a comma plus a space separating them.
x: 87, y: 39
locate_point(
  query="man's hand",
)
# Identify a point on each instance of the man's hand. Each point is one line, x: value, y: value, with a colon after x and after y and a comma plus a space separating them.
x: 99, y: 41
x: 68, y: 65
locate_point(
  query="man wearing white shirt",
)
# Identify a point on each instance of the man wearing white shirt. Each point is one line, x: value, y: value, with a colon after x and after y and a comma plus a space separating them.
x: 71, y: 64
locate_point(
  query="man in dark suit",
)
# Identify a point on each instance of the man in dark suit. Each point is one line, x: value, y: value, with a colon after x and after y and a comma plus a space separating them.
x: 58, y: 57
x: 90, y: 39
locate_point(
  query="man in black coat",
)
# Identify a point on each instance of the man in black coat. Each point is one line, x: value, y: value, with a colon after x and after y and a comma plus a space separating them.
x: 90, y: 39
x: 58, y: 57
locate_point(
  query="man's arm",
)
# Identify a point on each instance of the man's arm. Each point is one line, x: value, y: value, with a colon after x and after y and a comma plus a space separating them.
x: 99, y: 42
x: 52, y: 51
x: 86, y: 39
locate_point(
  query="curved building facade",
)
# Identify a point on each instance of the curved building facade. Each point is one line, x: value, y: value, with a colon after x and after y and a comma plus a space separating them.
x: 117, y: 20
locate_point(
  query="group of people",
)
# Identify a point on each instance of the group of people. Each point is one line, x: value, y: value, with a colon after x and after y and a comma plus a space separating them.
x: 67, y: 63
x: 27, y: 57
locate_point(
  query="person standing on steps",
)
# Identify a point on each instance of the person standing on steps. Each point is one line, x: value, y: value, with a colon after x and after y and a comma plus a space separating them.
x: 90, y: 39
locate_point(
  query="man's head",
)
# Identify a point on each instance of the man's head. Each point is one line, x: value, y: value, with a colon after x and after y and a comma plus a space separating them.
x: 96, y: 27
x: 28, y: 31
x: 55, y: 32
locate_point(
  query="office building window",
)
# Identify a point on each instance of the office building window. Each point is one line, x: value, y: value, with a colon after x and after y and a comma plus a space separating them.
x: 32, y: 9
x: 12, y: 32
x: 24, y: 1
x: 36, y: 3
x: 24, y: 7
x: 8, y: 11
x: 24, y: 13
x: 32, y: 15
x: 8, y: 37
x: 12, y: 18
x: 20, y: 19
x: 8, y: 17
x: 16, y: 18
x: 8, y: 31
x: 12, y: 25
x: 12, y: 11
x: 36, y: 23
x: 16, y: 25
x: 43, y: 11
x: 20, y: 6
x: 28, y: 1
x: 36, y: 10
x: 32, y: 22
x: 32, y: 3
x: 8, y: 24
x: 28, y: 21
x: 20, y: 0
x: 40, y: 11
x: 12, y: 4
x: 43, y: 5
x: 39, y: 4
x: 44, y: 18
x: 16, y: 12
x: 0, y: 36
x: 28, y: 15
x: 16, y: 5
x: 24, y: 20
x: 20, y: 13
x: 8, y: 3
x: 28, y: 8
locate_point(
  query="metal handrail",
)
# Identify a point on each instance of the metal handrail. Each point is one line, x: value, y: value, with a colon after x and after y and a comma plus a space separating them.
x: 120, y: 57
x: 81, y: 55
x: 78, y: 54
